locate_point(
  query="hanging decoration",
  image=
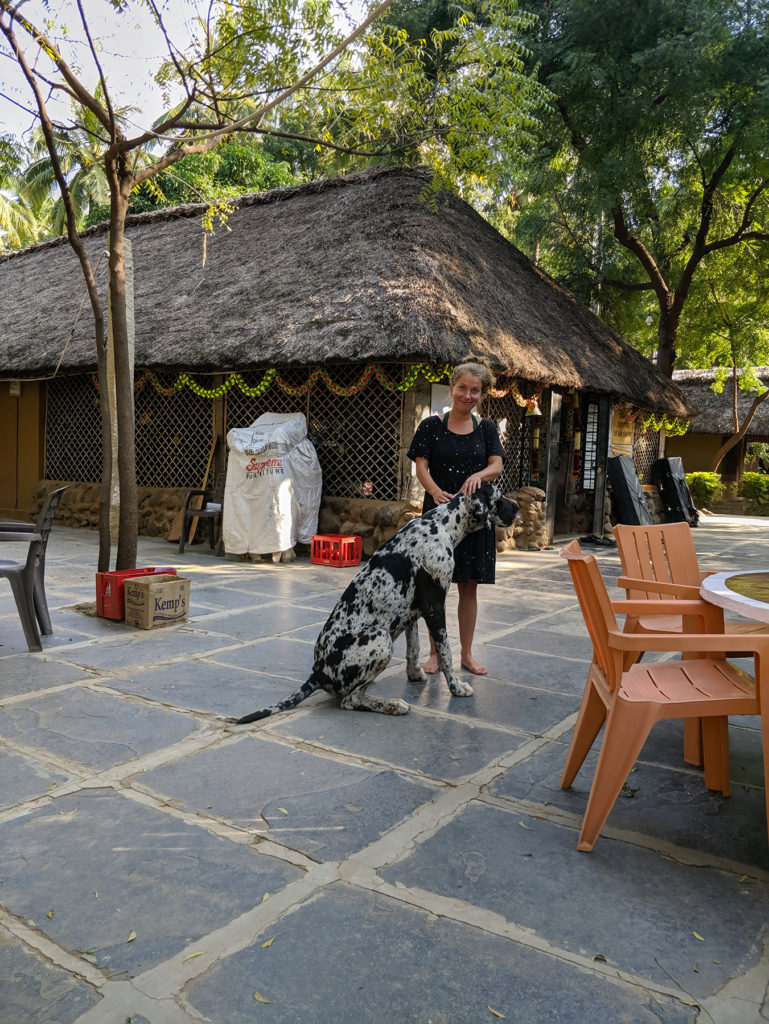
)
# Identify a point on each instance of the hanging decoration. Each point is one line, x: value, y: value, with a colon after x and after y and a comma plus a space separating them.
x: 673, y: 425
x: 531, y: 403
x: 577, y: 439
x: 372, y: 370
x: 535, y: 448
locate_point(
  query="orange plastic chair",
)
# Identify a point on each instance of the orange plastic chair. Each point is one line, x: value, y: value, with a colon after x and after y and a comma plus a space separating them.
x: 664, y: 555
x: 629, y: 700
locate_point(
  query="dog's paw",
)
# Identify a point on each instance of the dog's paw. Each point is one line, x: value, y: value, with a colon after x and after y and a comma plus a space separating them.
x: 459, y: 688
x: 418, y: 675
x: 395, y: 707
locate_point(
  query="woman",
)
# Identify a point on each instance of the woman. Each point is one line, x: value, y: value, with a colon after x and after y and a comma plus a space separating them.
x: 454, y: 453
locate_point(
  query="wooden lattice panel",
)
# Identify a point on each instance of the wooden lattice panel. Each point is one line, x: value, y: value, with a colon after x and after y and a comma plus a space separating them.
x: 357, y: 437
x: 173, y: 435
x: 516, y: 431
x: 646, y: 447
x: 72, y: 430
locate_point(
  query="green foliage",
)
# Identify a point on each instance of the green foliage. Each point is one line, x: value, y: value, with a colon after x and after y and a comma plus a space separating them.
x: 237, y: 166
x: 705, y: 488
x: 757, y: 450
x: 654, y: 150
x: 755, y: 490
x: 434, y: 83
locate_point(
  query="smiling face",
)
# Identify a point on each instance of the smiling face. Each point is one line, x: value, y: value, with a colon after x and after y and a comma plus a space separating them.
x: 466, y: 393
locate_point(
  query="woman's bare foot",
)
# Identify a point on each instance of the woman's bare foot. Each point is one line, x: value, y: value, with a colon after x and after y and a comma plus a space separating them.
x: 471, y: 665
x: 431, y: 665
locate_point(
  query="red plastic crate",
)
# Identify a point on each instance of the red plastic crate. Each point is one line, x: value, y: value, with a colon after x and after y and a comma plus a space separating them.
x: 110, y: 597
x: 336, y: 549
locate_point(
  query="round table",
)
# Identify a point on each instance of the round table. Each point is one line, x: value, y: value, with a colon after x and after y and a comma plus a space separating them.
x: 746, y: 593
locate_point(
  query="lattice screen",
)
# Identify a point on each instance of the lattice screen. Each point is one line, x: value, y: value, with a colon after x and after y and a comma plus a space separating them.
x: 173, y: 436
x: 646, y: 447
x: 73, y: 430
x: 516, y: 431
x: 357, y: 438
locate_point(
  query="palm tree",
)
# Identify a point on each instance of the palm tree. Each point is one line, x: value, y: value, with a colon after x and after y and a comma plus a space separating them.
x: 19, y: 224
x: 80, y: 157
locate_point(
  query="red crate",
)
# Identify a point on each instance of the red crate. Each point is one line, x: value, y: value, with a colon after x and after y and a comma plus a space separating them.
x: 110, y: 597
x: 336, y: 549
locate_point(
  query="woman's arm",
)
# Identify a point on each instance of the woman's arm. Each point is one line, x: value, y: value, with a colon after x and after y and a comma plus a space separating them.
x: 491, y: 472
x: 423, y: 476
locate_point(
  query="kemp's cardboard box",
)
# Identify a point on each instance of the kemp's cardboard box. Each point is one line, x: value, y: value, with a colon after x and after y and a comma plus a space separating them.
x: 152, y: 601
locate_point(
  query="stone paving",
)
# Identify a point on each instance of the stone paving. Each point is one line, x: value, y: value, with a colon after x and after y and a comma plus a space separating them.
x: 160, y: 867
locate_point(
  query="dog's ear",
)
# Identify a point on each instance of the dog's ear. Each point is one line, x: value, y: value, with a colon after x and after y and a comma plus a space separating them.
x: 486, y: 492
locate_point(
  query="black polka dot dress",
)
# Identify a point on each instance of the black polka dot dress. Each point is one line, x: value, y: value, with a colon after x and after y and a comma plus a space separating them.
x: 451, y: 459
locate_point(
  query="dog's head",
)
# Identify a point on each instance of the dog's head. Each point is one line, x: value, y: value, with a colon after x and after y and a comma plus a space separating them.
x: 488, y: 507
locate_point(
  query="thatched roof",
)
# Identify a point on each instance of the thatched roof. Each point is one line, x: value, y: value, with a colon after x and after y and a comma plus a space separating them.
x: 714, y: 412
x: 343, y: 270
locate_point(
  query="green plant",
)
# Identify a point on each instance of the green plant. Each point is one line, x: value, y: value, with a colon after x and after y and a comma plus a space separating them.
x: 755, y: 490
x: 705, y: 488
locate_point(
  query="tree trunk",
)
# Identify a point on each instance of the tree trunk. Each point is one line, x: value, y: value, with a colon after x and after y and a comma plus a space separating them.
x: 667, y: 335
x: 129, y: 503
x: 738, y: 436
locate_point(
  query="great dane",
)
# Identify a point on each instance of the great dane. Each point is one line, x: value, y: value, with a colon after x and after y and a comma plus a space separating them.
x: 405, y: 579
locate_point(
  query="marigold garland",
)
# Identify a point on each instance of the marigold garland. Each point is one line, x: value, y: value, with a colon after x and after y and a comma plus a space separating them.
x: 673, y: 425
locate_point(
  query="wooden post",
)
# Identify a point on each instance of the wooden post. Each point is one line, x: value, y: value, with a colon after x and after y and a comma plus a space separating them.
x: 551, y: 468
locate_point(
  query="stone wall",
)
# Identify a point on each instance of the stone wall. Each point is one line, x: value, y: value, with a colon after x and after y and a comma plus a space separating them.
x: 373, y: 520
x: 79, y: 506
x: 529, y: 531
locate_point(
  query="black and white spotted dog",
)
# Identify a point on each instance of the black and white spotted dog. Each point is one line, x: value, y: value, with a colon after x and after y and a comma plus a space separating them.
x: 405, y: 579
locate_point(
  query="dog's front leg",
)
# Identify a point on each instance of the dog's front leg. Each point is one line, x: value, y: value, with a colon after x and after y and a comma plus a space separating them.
x: 458, y: 687
x: 414, y: 671
x: 431, y: 595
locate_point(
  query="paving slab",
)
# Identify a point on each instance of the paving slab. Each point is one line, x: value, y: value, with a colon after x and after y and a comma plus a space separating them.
x: 145, y: 647
x: 21, y: 778
x: 318, y: 806
x: 362, y: 958
x: 437, y: 747
x: 572, y: 644
x: 548, y: 671
x: 657, y: 801
x: 268, y: 620
x: 493, y: 701
x: 93, y: 729
x: 637, y: 908
x: 17, y: 675
x: 290, y: 658
x: 420, y: 869
x: 36, y: 991
x: 92, y: 870
x: 205, y: 686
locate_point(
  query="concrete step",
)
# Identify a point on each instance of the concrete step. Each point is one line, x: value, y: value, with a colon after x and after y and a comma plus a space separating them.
x: 729, y: 507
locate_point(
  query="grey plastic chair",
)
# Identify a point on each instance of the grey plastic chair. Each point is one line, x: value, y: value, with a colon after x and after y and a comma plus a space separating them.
x: 27, y: 579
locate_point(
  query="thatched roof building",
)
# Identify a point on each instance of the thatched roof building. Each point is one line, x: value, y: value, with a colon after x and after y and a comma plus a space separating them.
x: 714, y: 411
x: 348, y: 269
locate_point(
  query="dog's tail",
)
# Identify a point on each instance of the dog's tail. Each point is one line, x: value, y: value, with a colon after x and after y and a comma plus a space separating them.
x: 313, y: 683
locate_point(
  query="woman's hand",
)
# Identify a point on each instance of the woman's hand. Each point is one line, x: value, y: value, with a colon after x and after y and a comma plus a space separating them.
x: 439, y: 496
x: 471, y: 485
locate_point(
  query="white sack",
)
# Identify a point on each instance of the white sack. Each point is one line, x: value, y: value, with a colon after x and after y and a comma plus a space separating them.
x: 272, y: 495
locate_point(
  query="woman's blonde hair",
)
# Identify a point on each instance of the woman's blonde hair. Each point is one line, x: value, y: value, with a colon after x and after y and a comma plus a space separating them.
x: 478, y: 369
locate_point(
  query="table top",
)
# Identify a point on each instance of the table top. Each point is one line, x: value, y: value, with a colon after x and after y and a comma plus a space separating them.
x: 744, y: 592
